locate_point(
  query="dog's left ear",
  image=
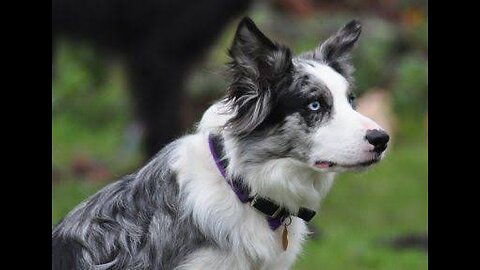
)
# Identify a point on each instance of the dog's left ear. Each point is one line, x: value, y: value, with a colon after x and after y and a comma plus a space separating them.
x: 257, y: 67
x: 335, y: 51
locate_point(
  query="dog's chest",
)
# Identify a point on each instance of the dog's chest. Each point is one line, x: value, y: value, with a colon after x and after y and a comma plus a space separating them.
x: 252, y: 248
x: 281, y: 255
x: 242, y: 237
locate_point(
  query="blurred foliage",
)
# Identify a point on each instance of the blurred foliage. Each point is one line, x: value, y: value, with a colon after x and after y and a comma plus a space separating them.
x: 373, y: 58
x: 410, y: 88
x: 90, y: 111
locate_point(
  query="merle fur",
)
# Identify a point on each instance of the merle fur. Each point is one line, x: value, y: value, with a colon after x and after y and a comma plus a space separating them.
x: 134, y: 223
x: 258, y: 68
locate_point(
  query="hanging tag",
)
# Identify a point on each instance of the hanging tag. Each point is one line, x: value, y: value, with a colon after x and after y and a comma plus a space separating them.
x: 285, y: 238
x: 285, y: 234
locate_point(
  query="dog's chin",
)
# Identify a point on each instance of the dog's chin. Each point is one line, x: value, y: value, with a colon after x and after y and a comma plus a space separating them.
x: 331, y: 166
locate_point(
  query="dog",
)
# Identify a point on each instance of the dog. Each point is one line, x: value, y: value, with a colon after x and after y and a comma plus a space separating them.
x: 237, y: 192
x: 157, y: 42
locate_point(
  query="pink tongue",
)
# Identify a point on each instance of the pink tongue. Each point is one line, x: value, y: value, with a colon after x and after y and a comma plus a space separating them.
x: 323, y: 165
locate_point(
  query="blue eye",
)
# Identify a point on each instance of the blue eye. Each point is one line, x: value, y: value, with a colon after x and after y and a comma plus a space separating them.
x: 314, y: 106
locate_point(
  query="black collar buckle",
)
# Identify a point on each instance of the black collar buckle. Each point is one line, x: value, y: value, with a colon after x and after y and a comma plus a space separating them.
x: 268, y: 207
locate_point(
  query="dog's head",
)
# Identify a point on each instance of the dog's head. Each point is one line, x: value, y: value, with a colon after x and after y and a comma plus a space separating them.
x: 300, y: 107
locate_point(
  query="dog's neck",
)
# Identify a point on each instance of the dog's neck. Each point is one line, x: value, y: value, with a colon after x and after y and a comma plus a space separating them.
x: 286, y: 181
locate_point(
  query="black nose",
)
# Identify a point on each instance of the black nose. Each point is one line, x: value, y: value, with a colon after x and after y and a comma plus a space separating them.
x: 377, y: 138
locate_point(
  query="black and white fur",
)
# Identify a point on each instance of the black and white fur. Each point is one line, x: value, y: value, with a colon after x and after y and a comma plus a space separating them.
x: 288, y: 126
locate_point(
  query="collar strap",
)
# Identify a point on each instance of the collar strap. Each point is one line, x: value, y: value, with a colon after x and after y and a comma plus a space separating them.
x: 275, y: 214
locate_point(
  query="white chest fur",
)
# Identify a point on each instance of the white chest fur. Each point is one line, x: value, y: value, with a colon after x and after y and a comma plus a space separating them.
x: 265, y: 246
x: 242, y: 235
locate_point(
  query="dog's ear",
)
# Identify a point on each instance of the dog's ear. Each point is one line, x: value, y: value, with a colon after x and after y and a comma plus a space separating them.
x: 335, y: 51
x: 257, y: 66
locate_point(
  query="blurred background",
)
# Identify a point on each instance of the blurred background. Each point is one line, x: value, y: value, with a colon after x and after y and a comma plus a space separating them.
x: 114, y: 66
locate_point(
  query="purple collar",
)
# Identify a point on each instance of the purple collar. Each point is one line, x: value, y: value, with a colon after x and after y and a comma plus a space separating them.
x: 215, y: 145
x: 275, y: 214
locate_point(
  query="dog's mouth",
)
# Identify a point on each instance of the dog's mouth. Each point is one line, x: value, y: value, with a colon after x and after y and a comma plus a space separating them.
x: 322, y: 164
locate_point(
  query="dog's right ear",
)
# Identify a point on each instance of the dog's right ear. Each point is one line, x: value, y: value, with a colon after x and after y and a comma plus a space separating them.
x: 335, y: 51
x: 257, y: 65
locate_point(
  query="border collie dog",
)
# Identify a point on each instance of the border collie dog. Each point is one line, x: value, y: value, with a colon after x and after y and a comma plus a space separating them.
x: 237, y: 193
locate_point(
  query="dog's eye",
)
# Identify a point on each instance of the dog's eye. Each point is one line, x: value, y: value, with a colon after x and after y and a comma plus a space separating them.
x: 314, y: 106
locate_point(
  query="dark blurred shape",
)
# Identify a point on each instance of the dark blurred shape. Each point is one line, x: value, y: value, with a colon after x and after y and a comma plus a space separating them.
x: 409, y: 241
x: 297, y: 7
x: 159, y: 41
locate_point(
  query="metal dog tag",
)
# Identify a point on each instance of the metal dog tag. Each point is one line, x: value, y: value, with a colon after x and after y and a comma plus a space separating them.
x: 285, y: 238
